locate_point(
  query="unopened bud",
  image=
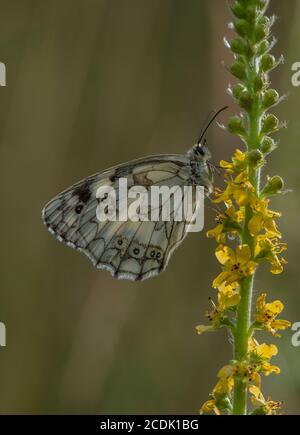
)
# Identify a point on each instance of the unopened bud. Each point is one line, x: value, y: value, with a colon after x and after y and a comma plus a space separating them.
x: 274, y: 185
x: 270, y: 98
x: 236, y: 126
x: 268, y: 145
x: 268, y: 62
x: 238, y: 70
x: 270, y: 124
x: 255, y: 158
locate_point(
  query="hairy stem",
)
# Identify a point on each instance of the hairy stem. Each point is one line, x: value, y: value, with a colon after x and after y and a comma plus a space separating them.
x: 243, y: 322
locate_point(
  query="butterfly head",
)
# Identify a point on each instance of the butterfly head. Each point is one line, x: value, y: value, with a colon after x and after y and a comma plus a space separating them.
x: 201, y: 152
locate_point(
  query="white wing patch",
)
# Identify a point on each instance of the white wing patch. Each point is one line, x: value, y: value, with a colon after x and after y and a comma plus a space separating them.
x: 128, y: 250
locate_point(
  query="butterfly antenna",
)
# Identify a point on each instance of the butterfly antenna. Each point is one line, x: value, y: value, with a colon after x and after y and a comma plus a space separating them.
x: 203, y: 132
x: 211, y: 113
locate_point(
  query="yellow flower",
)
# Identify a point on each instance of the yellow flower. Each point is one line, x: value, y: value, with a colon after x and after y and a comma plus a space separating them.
x: 241, y: 369
x: 223, y: 387
x: 263, y: 219
x: 217, y: 232
x: 255, y: 363
x: 267, y: 369
x: 220, y: 397
x: 228, y: 222
x: 240, y: 189
x: 228, y: 371
x: 265, y: 351
x: 239, y: 162
x: 210, y: 406
x: 259, y: 354
x: 270, y: 249
x: 237, y: 264
x: 266, y: 314
x: 264, y: 407
x: 228, y: 298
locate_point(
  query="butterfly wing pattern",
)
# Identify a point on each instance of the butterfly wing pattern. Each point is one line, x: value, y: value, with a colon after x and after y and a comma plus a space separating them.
x: 128, y: 250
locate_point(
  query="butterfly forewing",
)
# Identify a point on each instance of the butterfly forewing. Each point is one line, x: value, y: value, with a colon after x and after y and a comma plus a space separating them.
x: 129, y: 250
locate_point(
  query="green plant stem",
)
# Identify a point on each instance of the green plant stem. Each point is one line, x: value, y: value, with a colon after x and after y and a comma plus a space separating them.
x: 242, y: 332
x: 243, y: 323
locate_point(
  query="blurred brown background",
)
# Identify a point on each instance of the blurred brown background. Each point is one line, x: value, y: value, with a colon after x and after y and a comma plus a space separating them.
x: 91, y: 83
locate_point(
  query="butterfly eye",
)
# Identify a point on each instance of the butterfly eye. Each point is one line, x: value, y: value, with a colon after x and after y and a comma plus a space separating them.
x: 136, y: 251
x: 200, y: 151
x: 152, y: 254
x: 78, y: 208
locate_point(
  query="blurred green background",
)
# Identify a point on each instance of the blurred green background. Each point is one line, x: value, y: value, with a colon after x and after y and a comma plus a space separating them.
x: 92, y: 83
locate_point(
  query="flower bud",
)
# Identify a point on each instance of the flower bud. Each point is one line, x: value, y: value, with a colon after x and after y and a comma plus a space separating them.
x: 260, y: 33
x: 264, y: 21
x: 246, y: 101
x: 255, y: 158
x: 273, y: 186
x: 238, y: 46
x: 236, y: 126
x: 238, y: 90
x: 238, y: 10
x: 258, y: 83
x: 238, y: 70
x: 268, y: 145
x: 241, y: 27
x: 270, y: 124
x: 263, y: 47
x: 267, y: 63
x: 262, y: 5
x: 270, y: 98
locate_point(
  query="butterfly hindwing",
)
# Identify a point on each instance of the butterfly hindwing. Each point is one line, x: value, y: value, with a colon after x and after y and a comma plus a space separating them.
x: 129, y: 250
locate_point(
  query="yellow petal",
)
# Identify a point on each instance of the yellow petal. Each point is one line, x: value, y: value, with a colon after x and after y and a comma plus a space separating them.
x: 208, y: 406
x: 268, y: 369
x: 233, y: 278
x: 223, y: 196
x: 255, y: 225
x: 230, y: 211
x: 215, y: 232
x: 281, y: 324
x: 221, y: 279
x: 226, y: 371
x: 224, y: 254
x: 200, y: 329
x: 272, y: 229
x: 241, y: 197
x: 277, y: 267
x: 243, y: 254
x: 226, y: 289
x: 241, y: 178
x: 224, y: 386
x: 266, y: 351
x: 252, y: 344
x: 261, y: 302
x: 249, y: 268
x: 232, y: 301
x: 256, y: 393
x: 257, y: 379
x: 226, y: 165
x: 274, y: 307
